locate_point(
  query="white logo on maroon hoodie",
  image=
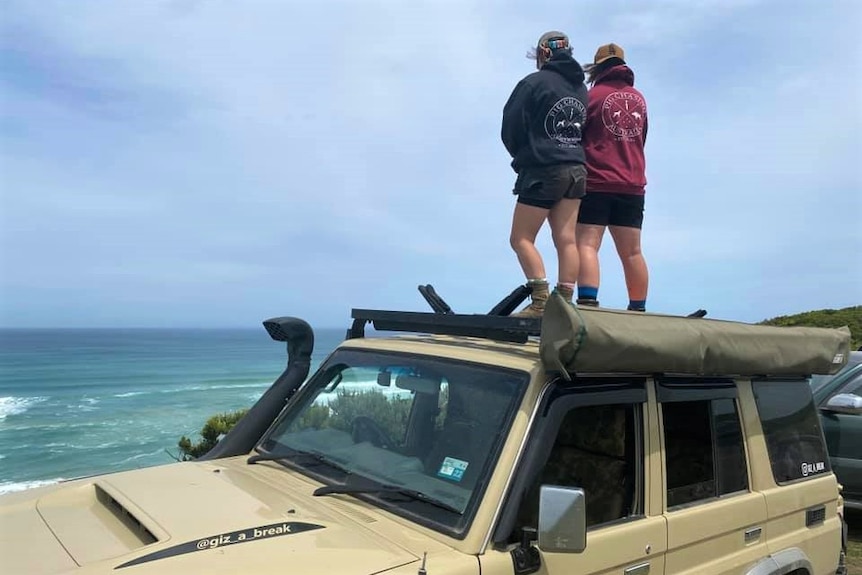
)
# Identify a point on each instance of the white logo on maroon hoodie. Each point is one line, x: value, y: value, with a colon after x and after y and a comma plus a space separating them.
x: 623, y: 114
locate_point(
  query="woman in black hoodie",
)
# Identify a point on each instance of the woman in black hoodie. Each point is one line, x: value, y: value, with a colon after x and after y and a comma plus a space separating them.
x: 542, y: 125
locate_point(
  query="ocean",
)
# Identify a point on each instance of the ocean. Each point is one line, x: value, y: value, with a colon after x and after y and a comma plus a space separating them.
x: 77, y: 402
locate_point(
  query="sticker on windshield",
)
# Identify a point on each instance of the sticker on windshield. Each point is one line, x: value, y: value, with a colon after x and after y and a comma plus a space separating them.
x: 453, y: 469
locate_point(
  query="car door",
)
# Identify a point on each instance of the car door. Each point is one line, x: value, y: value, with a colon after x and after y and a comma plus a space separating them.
x: 799, y: 487
x: 716, y: 523
x: 593, y: 435
x: 843, y: 434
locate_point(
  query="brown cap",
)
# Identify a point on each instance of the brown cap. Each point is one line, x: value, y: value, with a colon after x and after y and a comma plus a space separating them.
x: 607, y: 52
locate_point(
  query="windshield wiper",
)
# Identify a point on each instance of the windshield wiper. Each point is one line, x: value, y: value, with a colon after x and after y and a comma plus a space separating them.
x: 321, y: 459
x: 316, y: 457
x: 393, y: 489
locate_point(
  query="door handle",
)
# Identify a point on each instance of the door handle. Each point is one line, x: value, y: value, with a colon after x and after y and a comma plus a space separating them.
x: 641, y: 569
x: 752, y: 534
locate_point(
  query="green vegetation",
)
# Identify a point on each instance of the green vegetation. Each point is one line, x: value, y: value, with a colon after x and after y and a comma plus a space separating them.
x: 849, y: 316
x: 390, y: 413
x: 213, y: 429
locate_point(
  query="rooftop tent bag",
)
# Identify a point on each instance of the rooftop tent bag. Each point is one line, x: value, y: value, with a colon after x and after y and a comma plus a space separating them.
x: 576, y: 339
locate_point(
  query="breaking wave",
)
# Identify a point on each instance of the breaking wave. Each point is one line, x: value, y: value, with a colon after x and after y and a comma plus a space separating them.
x: 12, y: 487
x: 16, y: 405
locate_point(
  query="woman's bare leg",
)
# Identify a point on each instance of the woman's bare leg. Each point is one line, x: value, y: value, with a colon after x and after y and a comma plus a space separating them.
x: 526, y: 223
x: 589, y: 238
x: 628, y: 243
x: 563, y: 217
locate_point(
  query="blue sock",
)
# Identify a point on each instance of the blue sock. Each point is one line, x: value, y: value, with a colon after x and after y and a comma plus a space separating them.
x: 588, y: 292
x: 637, y: 304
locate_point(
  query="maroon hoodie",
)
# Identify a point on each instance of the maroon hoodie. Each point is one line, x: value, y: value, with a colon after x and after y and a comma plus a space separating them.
x: 615, y: 134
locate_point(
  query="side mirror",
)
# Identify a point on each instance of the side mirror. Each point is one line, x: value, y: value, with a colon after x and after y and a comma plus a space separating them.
x: 848, y: 403
x: 562, y: 519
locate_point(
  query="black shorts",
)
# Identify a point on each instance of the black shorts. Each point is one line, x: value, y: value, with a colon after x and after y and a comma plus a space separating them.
x: 544, y: 187
x: 612, y: 209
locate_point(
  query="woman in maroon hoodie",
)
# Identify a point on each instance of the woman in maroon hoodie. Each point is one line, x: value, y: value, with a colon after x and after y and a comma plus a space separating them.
x: 614, y: 139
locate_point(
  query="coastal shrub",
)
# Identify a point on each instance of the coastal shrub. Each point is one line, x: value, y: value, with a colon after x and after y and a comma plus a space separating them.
x: 213, y: 429
x: 388, y: 411
x: 849, y: 316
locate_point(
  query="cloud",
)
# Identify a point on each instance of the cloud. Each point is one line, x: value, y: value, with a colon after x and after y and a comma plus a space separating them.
x: 198, y: 162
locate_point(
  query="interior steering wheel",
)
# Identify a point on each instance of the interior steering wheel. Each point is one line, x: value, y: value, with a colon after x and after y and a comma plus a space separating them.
x: 364, y: 428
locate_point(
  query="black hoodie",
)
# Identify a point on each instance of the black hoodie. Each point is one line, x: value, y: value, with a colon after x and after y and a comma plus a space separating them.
x: 544, y: 117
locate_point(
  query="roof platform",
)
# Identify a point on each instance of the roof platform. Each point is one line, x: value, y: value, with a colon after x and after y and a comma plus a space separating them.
x: 500, y: 328
x: 497, y: 324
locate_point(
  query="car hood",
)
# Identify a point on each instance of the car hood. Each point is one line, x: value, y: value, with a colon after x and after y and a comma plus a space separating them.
x: 197, y: 517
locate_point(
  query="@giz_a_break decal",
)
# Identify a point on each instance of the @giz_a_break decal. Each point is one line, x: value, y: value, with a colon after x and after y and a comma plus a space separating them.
x: 224, y: 539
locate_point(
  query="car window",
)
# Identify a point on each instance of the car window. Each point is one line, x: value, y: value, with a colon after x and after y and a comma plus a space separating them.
x: 417, y: 423
x: 596, y: 448
x: 835, y: 384
x: 819, y: 383
x: 704, y: 451
x: 792, y: 430
x: 853, y: 386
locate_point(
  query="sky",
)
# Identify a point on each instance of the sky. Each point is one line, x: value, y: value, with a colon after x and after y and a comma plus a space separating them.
x: 206, y: 163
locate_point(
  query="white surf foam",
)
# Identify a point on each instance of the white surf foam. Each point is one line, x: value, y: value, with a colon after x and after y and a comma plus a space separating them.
x: 12, y: 487
x: 16, y: 405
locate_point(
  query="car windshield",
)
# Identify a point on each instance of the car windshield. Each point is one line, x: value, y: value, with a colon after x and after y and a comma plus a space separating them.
x: 818, y: 382
x: 838, y: 384
x: 416, y: 434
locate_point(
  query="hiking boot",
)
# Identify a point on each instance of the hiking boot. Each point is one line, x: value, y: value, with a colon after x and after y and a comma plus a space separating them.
x: 566, y: 292
x: 589, y: 302
x: 538, y: 297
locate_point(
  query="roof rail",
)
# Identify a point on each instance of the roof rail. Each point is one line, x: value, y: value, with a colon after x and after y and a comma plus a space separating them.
x: 503, y: 308
x: 497, y: 324
x: 500, y: 328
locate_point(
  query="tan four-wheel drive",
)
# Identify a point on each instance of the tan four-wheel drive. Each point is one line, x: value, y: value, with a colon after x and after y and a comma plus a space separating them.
x: 589, y: 441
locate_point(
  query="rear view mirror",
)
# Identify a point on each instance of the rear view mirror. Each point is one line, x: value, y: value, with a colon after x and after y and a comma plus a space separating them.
x: 384, y: 378
x: 562, y: 519
x: 417, y: 384
x: 848, y: 403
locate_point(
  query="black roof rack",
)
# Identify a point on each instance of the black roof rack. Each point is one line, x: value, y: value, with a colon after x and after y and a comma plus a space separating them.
x: 503, y: 308
x: 497, y: 324
x: 501, y: 328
